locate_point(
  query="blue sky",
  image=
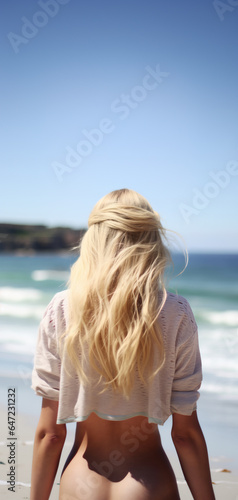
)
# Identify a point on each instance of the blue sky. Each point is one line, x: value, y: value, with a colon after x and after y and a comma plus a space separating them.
x: 158, y: 82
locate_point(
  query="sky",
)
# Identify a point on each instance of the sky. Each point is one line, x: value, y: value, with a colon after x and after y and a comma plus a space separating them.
x: 97, y: 96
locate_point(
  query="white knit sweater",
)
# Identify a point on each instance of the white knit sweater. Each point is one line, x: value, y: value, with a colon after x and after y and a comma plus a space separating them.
x: 173, y: 390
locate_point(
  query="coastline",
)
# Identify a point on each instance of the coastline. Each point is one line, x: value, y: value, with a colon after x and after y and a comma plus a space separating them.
x: 28, y: 284
x: 224, y: 478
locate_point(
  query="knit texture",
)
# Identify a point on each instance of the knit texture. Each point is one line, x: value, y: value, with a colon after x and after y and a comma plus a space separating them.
x: 173, y: 390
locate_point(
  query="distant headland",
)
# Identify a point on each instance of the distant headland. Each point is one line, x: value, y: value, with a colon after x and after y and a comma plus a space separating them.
x: 38, y: 238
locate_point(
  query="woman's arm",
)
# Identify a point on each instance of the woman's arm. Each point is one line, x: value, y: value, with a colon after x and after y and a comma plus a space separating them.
x: 191, y: 448
x: 48, y: 444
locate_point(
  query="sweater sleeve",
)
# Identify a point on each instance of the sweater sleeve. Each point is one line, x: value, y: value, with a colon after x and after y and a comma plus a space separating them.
x: 47, y: 365
x: 188, y: 369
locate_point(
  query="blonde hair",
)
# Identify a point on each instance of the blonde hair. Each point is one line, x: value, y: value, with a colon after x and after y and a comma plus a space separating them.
x: 116, y: 292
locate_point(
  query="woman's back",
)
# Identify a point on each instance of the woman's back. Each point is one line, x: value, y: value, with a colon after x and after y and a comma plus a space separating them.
x: 118, y: 355
x: 174, y: 387
x: 113, y: 460
x: 117, y: 456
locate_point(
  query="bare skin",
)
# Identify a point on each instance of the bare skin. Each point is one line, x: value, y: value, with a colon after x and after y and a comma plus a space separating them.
x: 115, y: 460
x: 111, y: 460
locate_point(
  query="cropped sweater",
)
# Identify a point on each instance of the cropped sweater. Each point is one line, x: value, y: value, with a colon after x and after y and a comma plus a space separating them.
x: 173, y: 390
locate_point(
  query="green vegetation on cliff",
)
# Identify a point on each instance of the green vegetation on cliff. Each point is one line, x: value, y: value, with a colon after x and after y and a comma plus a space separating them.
x: 24, y: 237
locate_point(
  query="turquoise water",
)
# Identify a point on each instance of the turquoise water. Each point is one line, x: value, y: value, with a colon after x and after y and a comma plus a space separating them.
x: 27, y: 284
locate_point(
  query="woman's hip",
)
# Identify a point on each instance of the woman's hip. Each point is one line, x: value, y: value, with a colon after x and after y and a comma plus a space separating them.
x: 143, y: 478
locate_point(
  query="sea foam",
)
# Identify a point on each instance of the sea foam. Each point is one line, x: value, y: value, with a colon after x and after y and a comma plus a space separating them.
x: 22, y: 311
x: 44, y: 275
x: 11, y: 294
x: 228, y: 318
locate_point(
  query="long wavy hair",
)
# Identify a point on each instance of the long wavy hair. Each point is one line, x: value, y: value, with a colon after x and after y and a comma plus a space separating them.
x: 116, y: 292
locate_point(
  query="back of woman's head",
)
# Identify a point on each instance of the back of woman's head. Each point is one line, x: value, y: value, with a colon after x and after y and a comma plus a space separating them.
x: 114, y: 291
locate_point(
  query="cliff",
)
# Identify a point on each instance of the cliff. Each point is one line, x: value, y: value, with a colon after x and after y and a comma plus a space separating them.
x: 24, y: 237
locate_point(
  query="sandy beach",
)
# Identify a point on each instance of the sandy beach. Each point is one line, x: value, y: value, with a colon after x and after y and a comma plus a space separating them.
x: 225, y: 480
x: 28, y: 285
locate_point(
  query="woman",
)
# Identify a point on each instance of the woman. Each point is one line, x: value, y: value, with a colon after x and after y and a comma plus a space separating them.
x: 118, y: 355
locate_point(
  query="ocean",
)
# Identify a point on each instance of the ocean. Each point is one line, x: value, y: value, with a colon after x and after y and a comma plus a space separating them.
x: 210, y: 283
